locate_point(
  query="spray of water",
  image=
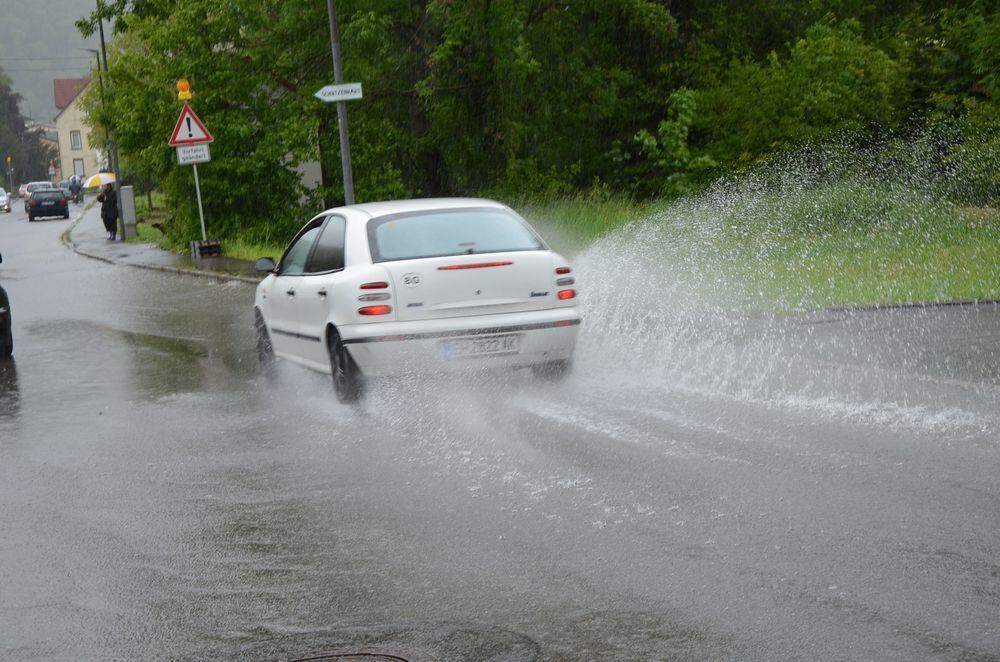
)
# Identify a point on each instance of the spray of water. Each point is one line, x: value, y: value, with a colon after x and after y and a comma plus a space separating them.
x: 734, y: 292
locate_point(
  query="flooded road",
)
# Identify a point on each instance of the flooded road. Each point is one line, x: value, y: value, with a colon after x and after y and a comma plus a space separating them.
x: 824, y: 487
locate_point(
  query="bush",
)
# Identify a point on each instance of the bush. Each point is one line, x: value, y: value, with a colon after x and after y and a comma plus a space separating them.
x: 831, y: 82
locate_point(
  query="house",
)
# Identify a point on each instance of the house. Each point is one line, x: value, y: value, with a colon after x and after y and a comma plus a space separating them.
x: 75, y: 155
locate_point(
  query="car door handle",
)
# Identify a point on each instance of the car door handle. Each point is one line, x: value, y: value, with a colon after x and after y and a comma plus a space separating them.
x: 290, y: 293
x: 322, y: 294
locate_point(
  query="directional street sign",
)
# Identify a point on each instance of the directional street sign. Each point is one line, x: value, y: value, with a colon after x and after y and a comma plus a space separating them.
x: 189, y: 154
x: 345, y: 92
x: 189, y: 130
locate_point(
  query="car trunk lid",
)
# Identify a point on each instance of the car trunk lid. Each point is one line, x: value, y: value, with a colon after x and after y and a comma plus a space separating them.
x: 464, y: 285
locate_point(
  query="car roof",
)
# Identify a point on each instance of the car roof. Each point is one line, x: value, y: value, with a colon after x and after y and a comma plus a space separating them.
x: 385, y: 208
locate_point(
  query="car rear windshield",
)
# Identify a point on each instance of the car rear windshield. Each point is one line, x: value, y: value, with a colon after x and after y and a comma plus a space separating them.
x: 47, y: 195
x: 449, y: 232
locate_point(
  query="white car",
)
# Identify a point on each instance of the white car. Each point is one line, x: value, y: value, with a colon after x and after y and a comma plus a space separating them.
x: 383, y: 288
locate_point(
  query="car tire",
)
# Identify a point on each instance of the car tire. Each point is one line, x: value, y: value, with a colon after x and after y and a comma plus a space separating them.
x: 347, y: 383
x: 31, y: 219
x: 6, y: 341
x: 553, y: 371
x: 66, y: 215
x: 265, y: 350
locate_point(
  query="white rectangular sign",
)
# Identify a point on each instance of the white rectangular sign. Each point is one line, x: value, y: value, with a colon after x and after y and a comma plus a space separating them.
x: 345, y: 92
x: 188, y: 154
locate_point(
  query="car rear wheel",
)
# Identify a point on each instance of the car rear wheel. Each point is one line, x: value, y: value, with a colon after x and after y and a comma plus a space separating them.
x: 265, y: 350
x: 31, y: 218
x: 346, y: 377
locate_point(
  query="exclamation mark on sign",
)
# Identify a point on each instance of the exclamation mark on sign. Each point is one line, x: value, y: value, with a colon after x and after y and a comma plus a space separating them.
x: 190, y: 132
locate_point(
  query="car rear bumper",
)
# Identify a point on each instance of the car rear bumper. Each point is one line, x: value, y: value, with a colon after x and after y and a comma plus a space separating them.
x: 388, y: 348
x: 48, y: 212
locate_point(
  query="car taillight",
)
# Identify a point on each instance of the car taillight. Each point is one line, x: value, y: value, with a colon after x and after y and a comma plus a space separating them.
x: 32, y: 203
x: 375, y: 310
x: 377, y: 285
x: 562, y: 271
x: 566, y: 294
x: 377, y: 296
x: 62, y: 201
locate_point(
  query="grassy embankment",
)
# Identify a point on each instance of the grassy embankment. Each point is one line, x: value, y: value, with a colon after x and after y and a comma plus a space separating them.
x: 838, y: 245
x: 148, y: 230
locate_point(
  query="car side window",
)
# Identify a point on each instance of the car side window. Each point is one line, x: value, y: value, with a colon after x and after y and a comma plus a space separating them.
x: 294, y: 262
x: 329, y: 252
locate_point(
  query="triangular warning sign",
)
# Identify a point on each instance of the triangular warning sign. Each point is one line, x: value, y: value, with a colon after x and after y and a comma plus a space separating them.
x: 189, y: 130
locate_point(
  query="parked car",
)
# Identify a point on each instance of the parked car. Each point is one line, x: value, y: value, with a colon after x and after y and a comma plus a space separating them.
x: 444, y: 284
x: 64, y: 187
x: 6, y: 337
x: 31, y: 187
x: 4, y: 201
x: 47, y: 202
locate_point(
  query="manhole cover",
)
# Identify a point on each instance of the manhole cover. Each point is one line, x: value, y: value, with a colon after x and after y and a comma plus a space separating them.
x: 432, y: 641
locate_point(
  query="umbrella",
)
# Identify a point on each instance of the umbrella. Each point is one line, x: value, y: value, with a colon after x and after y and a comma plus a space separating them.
x: 100, y: 179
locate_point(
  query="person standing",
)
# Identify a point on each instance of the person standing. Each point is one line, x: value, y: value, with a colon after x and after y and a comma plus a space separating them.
x: 109, y: 210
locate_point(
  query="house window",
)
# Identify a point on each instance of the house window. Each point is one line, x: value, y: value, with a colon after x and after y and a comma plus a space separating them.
x: 78, y: 167
x: 75, y: 140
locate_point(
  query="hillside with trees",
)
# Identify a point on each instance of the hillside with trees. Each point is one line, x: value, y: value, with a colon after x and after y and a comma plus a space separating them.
x: 29, y: 158
x: 530, y: 99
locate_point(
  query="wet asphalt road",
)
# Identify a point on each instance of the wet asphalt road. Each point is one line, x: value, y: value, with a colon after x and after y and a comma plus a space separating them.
x: 820, y: 488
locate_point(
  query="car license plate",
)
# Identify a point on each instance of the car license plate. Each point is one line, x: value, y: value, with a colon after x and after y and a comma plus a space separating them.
x: 47, y: 204
x: 481, y: 346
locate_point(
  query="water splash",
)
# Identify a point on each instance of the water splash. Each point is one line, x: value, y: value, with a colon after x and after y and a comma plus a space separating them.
x: 734, y: 291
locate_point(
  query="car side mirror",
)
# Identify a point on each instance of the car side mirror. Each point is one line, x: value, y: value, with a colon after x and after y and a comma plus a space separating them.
x: 265, y: 264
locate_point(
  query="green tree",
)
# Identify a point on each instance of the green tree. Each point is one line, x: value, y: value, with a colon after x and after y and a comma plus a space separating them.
x: 668, y: 152
x: 832, y: 81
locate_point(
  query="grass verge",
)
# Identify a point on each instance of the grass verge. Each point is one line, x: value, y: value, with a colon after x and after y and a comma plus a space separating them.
x: 236, y: 249
x: 843, y: 245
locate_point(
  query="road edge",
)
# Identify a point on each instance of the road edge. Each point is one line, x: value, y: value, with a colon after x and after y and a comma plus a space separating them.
x: 67, y: 239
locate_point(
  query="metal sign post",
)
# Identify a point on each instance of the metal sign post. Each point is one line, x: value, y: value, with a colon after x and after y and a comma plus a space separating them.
x: 201, y: 214
x: 338, y: 78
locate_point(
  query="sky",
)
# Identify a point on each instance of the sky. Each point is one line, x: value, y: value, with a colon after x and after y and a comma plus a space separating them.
x: 39, y: 43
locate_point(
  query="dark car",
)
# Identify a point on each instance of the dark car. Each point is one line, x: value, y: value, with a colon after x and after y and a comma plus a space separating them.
x: 31, y: 188
x: 47, y: 202
x: 6, y: 338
